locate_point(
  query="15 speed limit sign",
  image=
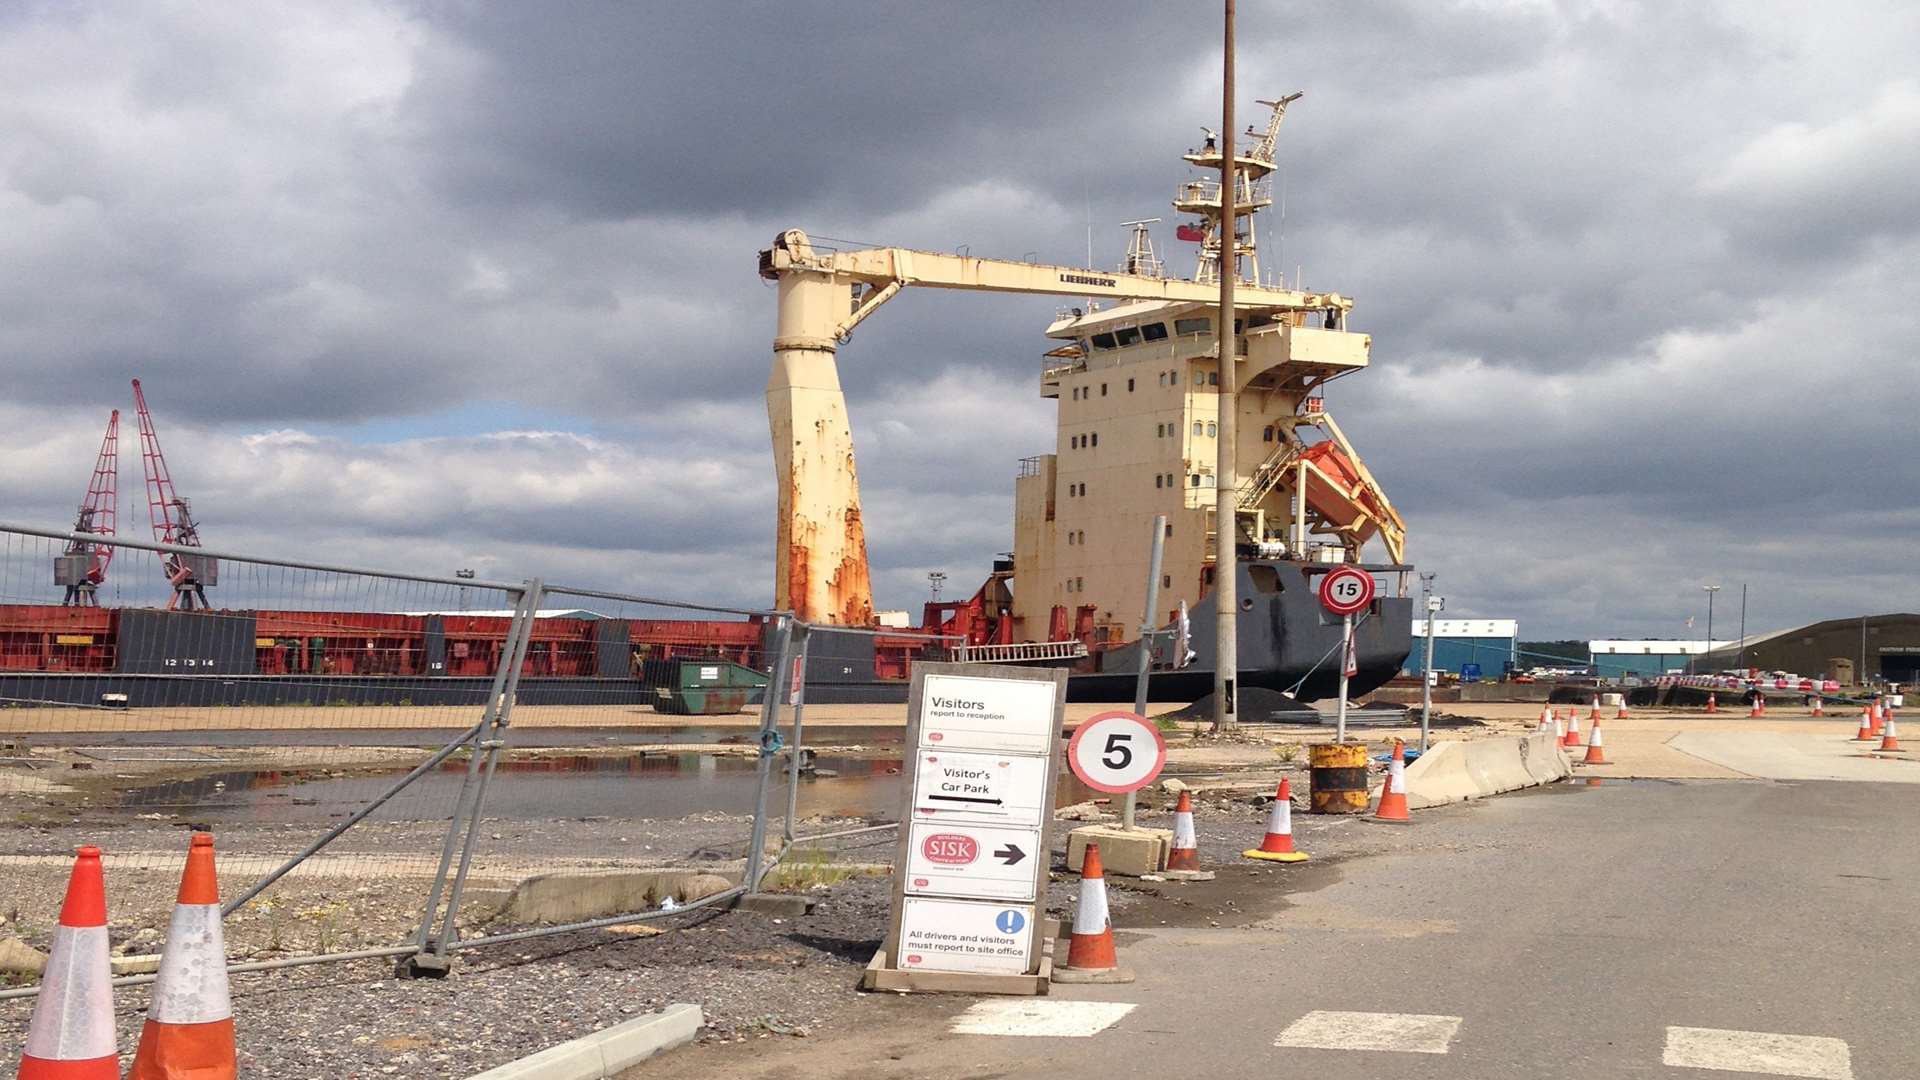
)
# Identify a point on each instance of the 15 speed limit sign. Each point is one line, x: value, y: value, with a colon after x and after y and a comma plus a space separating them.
x: 1346, y: 591
x: 1116, y: 752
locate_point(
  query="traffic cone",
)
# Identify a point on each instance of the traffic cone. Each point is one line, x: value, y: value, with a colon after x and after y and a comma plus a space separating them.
x: 189, y: 1032
x: 1865, y: 734
x: 1756, y: 707
x: 1878, y: 712
x: 1183, y: 858
x: 1090, y: 955
x: 1594, y: 717
x: 1621, y: 712
x: 1761, y: 702
x: 1595, y: 755
x: 1713, y: 704
x: 1546, y: 716
x: 1278, y: 844
x: 1559, y: 728
x: 1393, y: 793
x: 71, y: 1034
x: 1572, y: 741
x: 1890, y: 734
x: 1818, y: 708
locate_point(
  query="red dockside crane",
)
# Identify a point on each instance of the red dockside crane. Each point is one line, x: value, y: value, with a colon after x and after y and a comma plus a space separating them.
x: 83, y: 567
x: 172, y: 521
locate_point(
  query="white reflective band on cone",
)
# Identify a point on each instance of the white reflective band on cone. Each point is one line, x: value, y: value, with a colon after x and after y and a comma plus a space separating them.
x: 1397, y: 778
x: 1282, y: 817
x: 73, y: 1020
x: 1599, y: 738
x: 1090, y: 914
x: 192, y: 985
x: 1183, y: 837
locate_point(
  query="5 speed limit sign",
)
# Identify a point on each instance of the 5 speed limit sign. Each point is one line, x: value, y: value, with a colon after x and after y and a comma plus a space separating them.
x: 1116, y: 752
x: 1346, y: 591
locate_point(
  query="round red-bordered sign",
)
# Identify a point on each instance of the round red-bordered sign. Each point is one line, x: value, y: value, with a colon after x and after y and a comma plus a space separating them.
x: 1116, y: 752
x: 1345, y: 590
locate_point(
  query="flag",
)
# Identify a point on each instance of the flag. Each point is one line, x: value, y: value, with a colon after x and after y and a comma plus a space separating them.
x: 1190, y: 232
x: 1352, y: 661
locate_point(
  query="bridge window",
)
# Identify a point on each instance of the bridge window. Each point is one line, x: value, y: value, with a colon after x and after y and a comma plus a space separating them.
x: 1166, y: 581
x: 1213, y: 378
x: 1267, y: 434
x: 1199, y: 378
x: 1154, y: 331
x: 1129, y: 386
x: 1157, y: 481
x: 1103, y: 389
x: 1103, y: 341
x: 1126, y: 335
x: 1183, y: 327
x: 1213, y: 430
x: 1096, y: 438
x: 1199, y: 428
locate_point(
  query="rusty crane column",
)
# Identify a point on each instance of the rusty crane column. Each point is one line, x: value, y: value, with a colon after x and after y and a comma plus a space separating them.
x: 821, y: 574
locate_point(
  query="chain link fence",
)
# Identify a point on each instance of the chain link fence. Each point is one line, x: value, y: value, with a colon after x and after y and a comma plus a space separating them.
x: 394, y: 765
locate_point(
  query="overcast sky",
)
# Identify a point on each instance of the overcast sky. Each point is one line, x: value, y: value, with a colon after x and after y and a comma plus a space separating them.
x: 428, y: 285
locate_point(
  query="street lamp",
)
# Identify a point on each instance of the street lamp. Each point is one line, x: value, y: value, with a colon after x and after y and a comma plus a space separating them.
x: 1711, y: 589
x: 464, y: 575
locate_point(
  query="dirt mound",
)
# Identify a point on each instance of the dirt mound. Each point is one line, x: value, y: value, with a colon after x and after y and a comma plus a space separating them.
x: 1257, y: 706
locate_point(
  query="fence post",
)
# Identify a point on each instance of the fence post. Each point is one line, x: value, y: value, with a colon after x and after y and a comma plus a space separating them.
x: 430, y: 959
x: 769, y: 746
x: 796, y: 746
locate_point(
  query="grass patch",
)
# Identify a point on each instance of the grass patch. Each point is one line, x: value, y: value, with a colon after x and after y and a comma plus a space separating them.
x: 809, y: 869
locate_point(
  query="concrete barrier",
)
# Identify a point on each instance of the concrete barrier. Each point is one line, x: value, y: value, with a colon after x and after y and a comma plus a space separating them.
x: 578, y: 895
x: 1456, y: 771
x: 608, y: 1052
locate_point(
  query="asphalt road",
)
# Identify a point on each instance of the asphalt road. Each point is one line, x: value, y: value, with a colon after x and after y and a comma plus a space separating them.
x: 1559, y: 934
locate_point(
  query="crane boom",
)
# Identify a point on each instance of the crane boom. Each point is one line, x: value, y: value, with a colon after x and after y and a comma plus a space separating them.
x: 83, y: 567
x: 821, y: 574
x: 171, y: 517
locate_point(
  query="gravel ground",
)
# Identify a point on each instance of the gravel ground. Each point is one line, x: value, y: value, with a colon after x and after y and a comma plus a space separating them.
x: 756, y: 975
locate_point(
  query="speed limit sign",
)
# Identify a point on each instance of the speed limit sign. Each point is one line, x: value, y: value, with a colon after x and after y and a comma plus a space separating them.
x: 1346, y: 590
x: 1116, y: 752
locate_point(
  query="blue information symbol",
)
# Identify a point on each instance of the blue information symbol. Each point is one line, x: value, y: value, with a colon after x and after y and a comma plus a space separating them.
x: 1010, y: 921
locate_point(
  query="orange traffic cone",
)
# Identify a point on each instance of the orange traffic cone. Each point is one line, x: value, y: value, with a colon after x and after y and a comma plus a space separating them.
x: 1572, y: 741
x: 1761, y: 703
x: 1393, y: 793
x: 1865, y: 734
x: 1594, y: 716
x: 189, y: 1032
x: 1878, y: 713
x: 1890, y: 734
x: 1621, y: 712
x: 1595, y: 755
x: 71, y: 1034
x: 1713, y: 704
x: 1183, y: 858
x: 1546, y: 719
x: 1278, y: 844
x: 1559, y: 728
x: 1090, y: 955
x: 1818, y: 708
x: 1754, y: 706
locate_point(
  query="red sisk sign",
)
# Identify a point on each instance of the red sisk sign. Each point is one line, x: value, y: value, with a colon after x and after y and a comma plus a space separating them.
x: 950, y: 849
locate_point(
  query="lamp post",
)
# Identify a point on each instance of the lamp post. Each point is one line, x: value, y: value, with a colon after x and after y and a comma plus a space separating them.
x: 1433, y: 605
x: 1711, y: 589
x: 464, y: 575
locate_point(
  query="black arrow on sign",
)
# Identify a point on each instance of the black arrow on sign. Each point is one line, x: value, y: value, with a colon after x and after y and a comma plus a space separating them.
x: 963, y: 798
x: 1010, y: 854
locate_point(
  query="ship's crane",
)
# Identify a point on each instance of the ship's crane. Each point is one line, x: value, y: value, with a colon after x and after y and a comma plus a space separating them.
x: 821, y: 574
x: 82, y: 568
x: 172, y: 520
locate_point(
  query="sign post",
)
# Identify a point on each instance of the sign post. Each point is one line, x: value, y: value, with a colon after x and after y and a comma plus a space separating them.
x: 969, y: 907
x: 1346, y: 591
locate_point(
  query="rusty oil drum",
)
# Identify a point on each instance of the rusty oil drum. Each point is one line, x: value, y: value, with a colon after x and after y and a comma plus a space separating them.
x: 1337, y: 778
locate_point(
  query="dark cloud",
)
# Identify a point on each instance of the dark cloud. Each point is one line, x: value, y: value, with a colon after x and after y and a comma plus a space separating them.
x: 1609, y: 252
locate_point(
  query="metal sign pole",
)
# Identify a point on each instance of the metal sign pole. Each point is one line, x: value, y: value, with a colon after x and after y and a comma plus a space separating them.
x: 1346, y: 647
x: 1146, y: 652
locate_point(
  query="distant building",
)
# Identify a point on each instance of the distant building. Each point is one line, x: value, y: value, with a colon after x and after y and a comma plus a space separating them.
x: 1886, y: 648
x: 1647, y: 659
x: 1491, y: 644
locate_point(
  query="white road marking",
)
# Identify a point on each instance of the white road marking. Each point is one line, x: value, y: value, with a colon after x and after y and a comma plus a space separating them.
x: 1048, y: 1017
x: 1758, y: 1052
x: 1409, y: 1033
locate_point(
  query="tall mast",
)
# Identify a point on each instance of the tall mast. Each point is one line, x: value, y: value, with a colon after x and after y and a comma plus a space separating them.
x: 170, y: 515
x: 84, y: 568
x: 1226, y: 562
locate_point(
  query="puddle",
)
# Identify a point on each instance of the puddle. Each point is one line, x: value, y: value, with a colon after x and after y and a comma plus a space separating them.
x: 545, y: 788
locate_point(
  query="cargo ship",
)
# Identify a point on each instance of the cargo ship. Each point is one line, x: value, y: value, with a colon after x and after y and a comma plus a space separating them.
x: 1134, y: 367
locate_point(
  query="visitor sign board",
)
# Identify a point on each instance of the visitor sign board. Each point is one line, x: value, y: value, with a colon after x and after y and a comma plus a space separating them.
x: 974, y: 847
